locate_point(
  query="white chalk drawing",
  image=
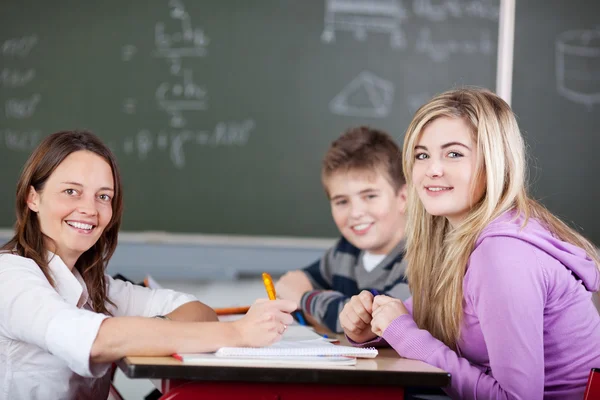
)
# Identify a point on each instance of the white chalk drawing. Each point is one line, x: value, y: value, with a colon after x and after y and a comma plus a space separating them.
x: 127, y: 52
x: 229, y: 134
x: 437, y: 11
x: 179, y: 94
x: 144, y: 143
x: 15, y: 78
x: 20, y: 46
x: 179, y: 140
x: 362, y: 16
x: 21, y: 108
x: 366, y: 96
x: 174, y: 98
x: 578, y: 66
x: 443, y: 48
x: 189, y: 42
x: 129, y: 105
x: 18, y: 140
x: 225, y: 134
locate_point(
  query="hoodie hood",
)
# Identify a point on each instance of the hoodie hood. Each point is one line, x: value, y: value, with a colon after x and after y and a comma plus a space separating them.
x: 572, y: 257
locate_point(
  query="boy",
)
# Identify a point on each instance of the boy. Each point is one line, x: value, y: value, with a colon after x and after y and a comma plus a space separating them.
x: 362, y: 176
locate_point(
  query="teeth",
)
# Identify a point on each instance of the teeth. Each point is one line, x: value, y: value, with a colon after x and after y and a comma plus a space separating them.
x: 80, y: 225
x: 361, y: 227
x: 437, y: 189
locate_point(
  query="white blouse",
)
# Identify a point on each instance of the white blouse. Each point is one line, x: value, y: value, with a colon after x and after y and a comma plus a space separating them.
x: 46, y: 334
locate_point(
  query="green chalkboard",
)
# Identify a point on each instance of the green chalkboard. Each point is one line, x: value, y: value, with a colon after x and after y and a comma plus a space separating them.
x: 556, y: 95
x: 220, y: 111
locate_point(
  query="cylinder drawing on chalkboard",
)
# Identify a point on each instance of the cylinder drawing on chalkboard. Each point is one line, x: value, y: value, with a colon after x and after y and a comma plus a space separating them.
x: 578, y: 66
x: 361, y: 16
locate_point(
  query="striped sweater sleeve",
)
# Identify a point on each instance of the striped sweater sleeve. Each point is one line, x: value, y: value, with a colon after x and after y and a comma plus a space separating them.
x: 325, y: 307
x: 323, y: 303
x: 339, y: 275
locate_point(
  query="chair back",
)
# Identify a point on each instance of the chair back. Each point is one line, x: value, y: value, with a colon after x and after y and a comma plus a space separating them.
x: 592, y: 390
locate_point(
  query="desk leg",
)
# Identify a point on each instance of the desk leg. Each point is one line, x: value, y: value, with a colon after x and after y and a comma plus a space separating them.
x: 277, y: 391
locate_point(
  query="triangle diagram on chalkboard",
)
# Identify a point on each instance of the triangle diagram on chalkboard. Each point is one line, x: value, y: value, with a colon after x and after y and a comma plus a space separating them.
x: 366, y: 96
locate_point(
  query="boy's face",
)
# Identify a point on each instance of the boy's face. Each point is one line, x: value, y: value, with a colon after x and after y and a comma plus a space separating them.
x: 367, y: 210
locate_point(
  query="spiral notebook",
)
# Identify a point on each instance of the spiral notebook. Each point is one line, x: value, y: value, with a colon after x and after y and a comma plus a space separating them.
x: 212, y: 359
x: 301, y: 345
x: 307, y: 352
x: 308, y: 348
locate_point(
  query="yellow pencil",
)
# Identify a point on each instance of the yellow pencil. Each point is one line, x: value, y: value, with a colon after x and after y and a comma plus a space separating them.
x: 268, y: 281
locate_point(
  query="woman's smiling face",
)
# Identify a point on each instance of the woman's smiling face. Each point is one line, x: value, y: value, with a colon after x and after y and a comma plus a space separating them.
x: 75, y: 205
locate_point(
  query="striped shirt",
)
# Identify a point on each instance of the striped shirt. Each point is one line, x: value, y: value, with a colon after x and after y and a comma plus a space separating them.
x: 340, y: 274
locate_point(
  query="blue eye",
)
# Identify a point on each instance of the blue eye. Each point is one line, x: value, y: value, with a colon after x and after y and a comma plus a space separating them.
x: 421, y: 156
x: 454, y: 154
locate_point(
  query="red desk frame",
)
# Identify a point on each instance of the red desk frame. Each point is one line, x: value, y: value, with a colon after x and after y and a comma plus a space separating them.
x: 187, y: 390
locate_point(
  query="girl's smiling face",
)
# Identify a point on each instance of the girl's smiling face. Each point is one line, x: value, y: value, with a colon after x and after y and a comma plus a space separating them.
x: 444, y: 171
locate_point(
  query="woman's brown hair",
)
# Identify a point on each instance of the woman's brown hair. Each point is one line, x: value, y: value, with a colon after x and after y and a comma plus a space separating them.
x: 29, y: 241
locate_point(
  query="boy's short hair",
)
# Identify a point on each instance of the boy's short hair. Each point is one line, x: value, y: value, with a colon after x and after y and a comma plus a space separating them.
x: 364, y: 149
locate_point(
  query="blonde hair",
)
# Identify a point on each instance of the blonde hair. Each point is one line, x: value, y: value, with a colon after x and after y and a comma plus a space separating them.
x: 437, y: 254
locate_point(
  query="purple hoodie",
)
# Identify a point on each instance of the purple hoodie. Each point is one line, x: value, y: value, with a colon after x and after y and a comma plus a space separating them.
x: 529, y: 328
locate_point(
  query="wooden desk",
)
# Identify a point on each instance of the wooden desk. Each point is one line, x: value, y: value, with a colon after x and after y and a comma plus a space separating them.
x: 383, y: 377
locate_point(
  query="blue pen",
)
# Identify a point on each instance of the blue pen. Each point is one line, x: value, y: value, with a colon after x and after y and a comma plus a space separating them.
x: 300, y: 318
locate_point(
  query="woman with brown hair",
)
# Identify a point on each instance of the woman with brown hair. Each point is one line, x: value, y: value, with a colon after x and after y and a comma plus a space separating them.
x: 62, y: 320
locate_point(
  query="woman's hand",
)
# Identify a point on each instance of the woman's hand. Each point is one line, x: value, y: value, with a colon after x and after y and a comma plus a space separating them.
x: 385, y: 310
x: 356, y: 317
x: 265, y: 322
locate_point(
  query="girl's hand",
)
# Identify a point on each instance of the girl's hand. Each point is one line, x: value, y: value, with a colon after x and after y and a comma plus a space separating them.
x: 385, y: 310
x: 265, y: 322
x: 356, y: 317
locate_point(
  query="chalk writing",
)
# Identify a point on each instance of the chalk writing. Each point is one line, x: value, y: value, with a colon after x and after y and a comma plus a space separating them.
x: 441, y: 49
x: 18, y: 46
x: 21, y: 108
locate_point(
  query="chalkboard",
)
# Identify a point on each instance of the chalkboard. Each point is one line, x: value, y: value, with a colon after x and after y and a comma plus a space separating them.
x: 220, y: 111
x: 556, y: 95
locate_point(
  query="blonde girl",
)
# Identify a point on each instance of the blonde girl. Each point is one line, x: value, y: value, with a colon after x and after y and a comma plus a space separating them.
x: 501, y: 287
